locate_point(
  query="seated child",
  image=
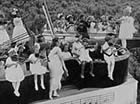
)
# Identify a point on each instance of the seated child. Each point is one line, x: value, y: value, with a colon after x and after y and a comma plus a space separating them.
x: 85, y: 58
x: 65, y: 52
x: 109, y: 52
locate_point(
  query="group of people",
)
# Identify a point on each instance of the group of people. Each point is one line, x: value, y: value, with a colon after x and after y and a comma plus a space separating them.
x: 52, y: 61
x: 104, y: 24
x: 43, y: 60
x: 40, y: 63
x: 124, y: 26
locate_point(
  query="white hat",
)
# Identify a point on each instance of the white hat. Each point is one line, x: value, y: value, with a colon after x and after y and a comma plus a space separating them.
x: 128, y: 9
x: 12, y: 51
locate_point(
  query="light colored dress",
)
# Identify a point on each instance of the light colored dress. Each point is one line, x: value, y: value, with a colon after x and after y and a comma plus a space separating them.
x: 107, y: 58
x: 80, y: 50
x: 84, y: 55
x: 36, y: 67
x: 19, y: 30
x: 76, y: 47
x: 56, y: 68
x: 66, y: 55
x: 3, y: 35
x: 92, y: 28
x: 13, y: 73
x: 127, y: 28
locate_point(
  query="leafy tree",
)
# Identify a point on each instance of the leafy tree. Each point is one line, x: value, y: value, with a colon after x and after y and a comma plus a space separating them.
x: 75, y: 7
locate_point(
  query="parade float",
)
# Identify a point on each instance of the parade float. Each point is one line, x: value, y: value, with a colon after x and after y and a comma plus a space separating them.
x: 97, y: 90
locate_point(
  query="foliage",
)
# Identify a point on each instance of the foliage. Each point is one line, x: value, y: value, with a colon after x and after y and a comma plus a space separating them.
x: 134, y: 63
x: 36, y: 19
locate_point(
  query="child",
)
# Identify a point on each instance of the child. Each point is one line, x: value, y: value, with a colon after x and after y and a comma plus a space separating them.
x: 65, y: 52
x: 82, y: 54
x: 109, y: 52
x: 13, y: 72
x: 127, y: 28
x: 36, y: 67
x: 85, y: 58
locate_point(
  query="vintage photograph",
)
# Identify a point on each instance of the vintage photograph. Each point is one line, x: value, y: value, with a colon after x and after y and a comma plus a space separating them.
x: 69, y: 51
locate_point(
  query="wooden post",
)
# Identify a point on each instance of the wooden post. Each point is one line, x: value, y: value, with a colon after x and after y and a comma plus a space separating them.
x: 46, y: 12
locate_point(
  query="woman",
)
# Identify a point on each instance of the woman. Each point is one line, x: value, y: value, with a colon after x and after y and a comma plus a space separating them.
x: 56, y: 67
x: 127, y: 27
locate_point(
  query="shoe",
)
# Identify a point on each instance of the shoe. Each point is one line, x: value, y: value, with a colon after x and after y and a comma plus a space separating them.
x: 17, y: 93
x: 36, y: 88
x: 82, y: 76
x: 56, y: 94
x: 50, y: 97
x: 110, y: 77
x: 92, y: 74
x: 43, y: 87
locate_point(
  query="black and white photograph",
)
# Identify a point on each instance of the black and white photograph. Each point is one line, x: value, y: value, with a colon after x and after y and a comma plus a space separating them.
x: 69, y: 51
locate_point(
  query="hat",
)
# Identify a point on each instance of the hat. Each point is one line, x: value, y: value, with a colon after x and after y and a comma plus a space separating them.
x: 21, y: 46
x: 60, y: 15
x: 12, y: 51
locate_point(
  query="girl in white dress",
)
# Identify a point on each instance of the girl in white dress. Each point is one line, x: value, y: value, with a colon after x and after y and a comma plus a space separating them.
x: 65, y: 52
x: 127, y: 28
x: 19, y: 29
x: 83, y: 55
x: 14, y: 72
x: 57, y: 68
x: 109, y: 52
x: 4, y: 37
x: 36, y: 66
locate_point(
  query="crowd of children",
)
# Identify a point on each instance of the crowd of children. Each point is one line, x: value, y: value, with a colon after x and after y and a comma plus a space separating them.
x: 53, y: 63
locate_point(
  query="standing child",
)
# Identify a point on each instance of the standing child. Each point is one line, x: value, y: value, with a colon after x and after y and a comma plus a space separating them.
x: 109, y: 56
x: 127, y: 28
x: 14, y: 71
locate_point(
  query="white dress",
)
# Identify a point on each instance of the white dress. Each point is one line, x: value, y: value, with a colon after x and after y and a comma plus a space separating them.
x: 127, y: 28
x: 3, y: 35
x: 19, y: 29
x: 13, y: 73
x: 56, y: 68
x: 76, y: 46
x: 80, y: 50
x: 84, y: 55
x: 36, y: 67
x: 92, y: 28
x: 107, y: 58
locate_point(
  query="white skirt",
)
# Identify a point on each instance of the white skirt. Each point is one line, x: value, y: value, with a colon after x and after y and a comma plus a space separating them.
x: 14, y: 74
x: 19, y: 32
x: 38, y: 69
x: 4, y: 37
